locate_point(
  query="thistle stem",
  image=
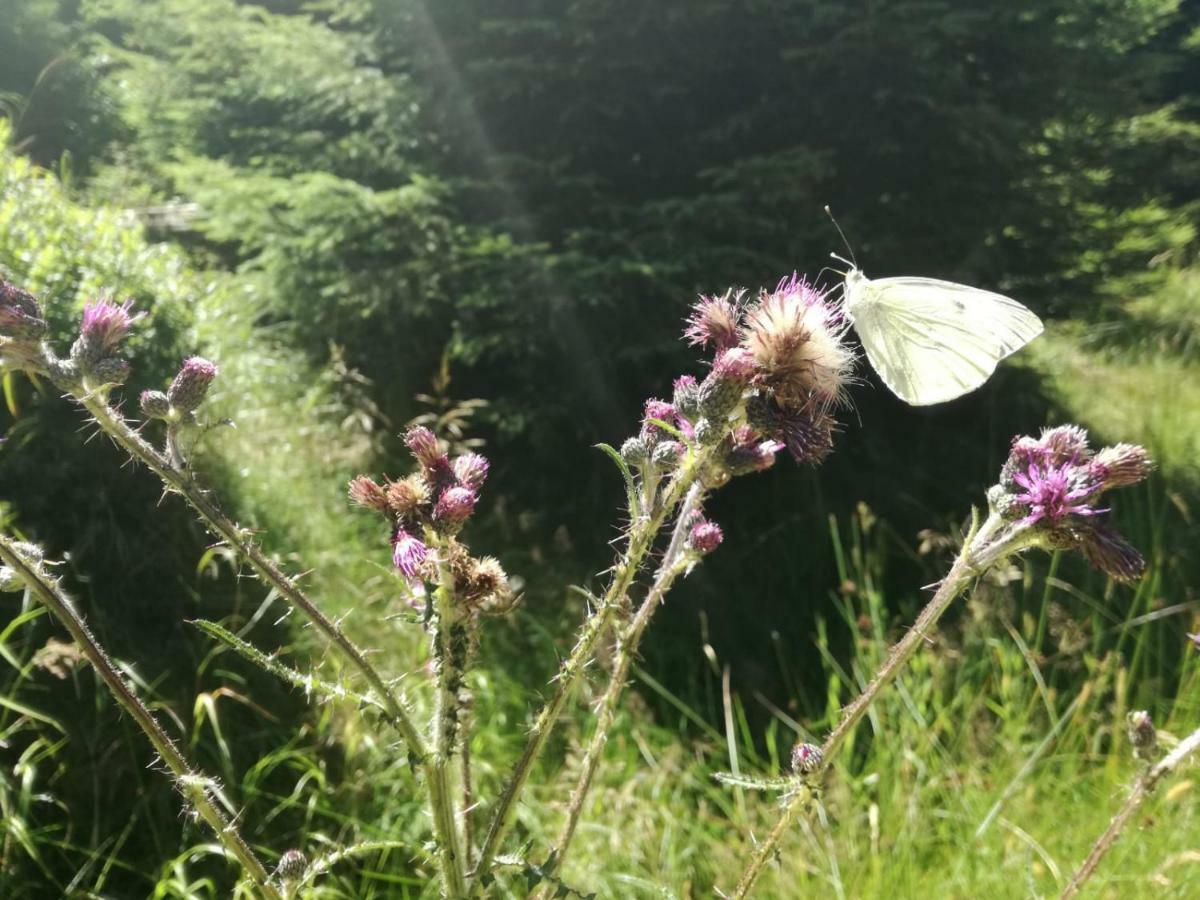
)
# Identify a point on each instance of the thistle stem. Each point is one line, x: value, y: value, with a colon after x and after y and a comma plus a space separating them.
x: 993, y: 541
x: 181, y: 482
x: 190, y: 782
x: 449, y: 674
x: 641, y: 537
x: 669, y: 569
x: 1146, y: 782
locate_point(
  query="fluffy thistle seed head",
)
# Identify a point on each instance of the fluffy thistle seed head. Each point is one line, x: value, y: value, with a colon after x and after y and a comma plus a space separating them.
x: 191, y: 384
x: 405, y: 496
x: 1121, y: 465
x: 798, y: 340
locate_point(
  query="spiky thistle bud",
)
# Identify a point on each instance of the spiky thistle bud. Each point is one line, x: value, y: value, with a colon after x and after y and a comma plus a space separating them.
x: 293, y: 866
x: 635, y: 452
x: 154, y: 404
x: 705, y: 536
x: 191, y: 384
x: 1142, y: 735
x: 806, y: 758
x: 113, y: 370
x: 20, y: 315
x: 686, y: 397
x: 364, y: 491
x: 666, y: 454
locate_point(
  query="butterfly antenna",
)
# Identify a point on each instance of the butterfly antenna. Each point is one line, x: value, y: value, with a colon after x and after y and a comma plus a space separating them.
x: 852, y: 261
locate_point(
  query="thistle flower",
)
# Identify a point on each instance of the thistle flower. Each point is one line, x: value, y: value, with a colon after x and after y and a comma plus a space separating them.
x: 797, y: 339
x: 714, y: 321
x: 191, y: 384
x: 364, y: 491
x: 423, y: 445
x: 471, y: 470
x: 453, y: 508
x: 20, y: 316
x: 1054, y: 484
x: 705, y: 536
x: 659, y: 410
x: 409, y: 554
x: 105, y: 324
x: 749, y: 452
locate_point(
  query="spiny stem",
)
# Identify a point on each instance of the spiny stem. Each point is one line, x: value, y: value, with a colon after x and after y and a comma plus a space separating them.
x: 181, y: 482
x: 641, y: 536
x: 448, y: 669
x: 990, y: 543
x: 1146, y: 782
x: 669, y: 569
x: 190, y: 782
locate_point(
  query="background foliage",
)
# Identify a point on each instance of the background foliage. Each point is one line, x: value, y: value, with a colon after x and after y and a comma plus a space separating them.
x: 346, y: 203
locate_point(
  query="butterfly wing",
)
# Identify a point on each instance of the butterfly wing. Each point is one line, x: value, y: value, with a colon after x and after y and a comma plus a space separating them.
x: 930, y: 340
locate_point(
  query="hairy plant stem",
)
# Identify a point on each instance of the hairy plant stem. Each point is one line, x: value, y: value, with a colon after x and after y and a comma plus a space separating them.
x: 180, y: 481
x: 192, y: 784
x: 641, y: 536
x: 1142, y: 788
x: 449, y: 649
x: 673, y: 564
x: 994, y: 540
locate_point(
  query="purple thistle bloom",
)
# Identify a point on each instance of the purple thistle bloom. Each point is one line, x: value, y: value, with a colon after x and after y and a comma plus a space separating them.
x: 105, y: 324
x: 454, y: 507
x: 714, y: 321
x: 735, y: 364
x: 471, y: 470
x: 1054, y: 492
x: 705, y: 536
x: 408, y: 554
x: 423, y: 445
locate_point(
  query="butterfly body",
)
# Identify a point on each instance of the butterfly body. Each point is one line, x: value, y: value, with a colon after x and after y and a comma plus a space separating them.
x: 931, y: 340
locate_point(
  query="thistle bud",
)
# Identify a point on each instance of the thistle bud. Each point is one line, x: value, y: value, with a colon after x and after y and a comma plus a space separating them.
x: 155, y: 405
x: 190, y: 386
x: 292, y: 867
x: 113, y: 370
x: 666, y: 454
x: 635, y: 452
x: 806, y: 758
x: 1142, y: 735
x: 366, y: 492
x: 9, y: 580
x: 20, y: 316
x: 453, y: 508
x: 705, y: 536
x: 686, y: 398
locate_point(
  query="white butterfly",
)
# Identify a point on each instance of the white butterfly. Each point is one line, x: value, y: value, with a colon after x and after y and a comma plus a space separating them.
x: 931, y: 341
